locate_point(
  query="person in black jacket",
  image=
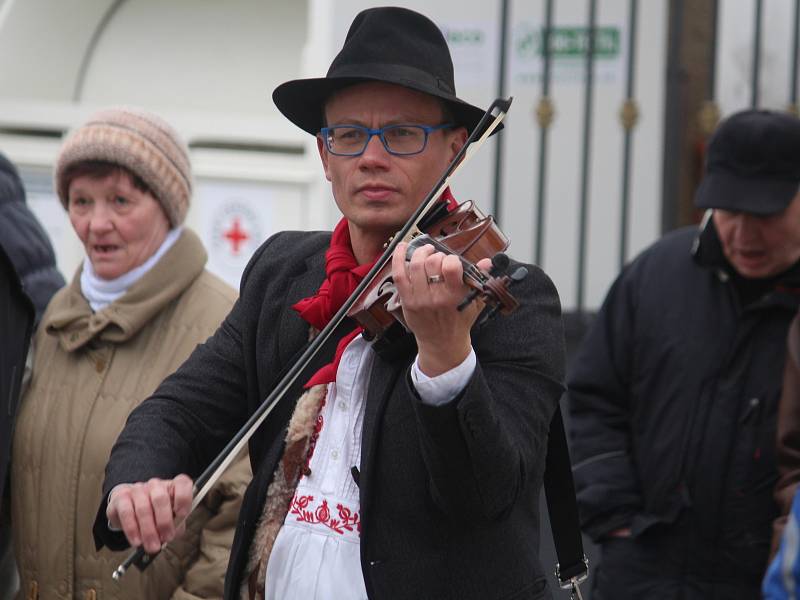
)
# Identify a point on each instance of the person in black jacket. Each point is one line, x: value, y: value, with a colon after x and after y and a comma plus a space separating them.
x: 413, y: 473
x: 28, y: 278
x: 673, y: 394
x: 25, y: 241
x: 16, y: 324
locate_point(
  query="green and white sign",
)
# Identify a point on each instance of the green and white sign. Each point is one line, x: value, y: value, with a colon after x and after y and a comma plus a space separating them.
x: 567, y: 48
x: 569, y: 42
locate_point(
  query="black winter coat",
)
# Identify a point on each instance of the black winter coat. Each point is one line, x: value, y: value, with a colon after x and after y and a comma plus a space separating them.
x: 25, y: 242
x: 28, y: 278
x: 449, y: 495
x: 673, y: 400
x: 16, y: 326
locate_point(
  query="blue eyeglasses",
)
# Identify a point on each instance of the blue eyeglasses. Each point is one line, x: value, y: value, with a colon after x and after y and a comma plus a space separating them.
x: 401, y: 140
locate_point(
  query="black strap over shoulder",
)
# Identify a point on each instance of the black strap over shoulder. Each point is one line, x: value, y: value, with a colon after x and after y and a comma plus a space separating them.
x: 573, y: 566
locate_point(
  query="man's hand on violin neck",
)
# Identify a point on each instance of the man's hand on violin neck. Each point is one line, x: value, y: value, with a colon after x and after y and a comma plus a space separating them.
x: 431, y: 287
x: 147, y: 512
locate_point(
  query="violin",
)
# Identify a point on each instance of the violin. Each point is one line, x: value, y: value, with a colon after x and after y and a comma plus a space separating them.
x: 465, y: 232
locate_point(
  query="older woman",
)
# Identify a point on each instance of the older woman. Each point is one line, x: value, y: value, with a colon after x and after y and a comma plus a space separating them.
x: 139, y: 304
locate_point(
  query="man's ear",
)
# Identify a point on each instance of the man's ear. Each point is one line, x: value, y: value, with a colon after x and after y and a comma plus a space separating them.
x: 458, y: 140
x: 324, y: 156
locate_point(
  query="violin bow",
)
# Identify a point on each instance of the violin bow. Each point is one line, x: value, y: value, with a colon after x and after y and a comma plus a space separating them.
x: 488, y: 123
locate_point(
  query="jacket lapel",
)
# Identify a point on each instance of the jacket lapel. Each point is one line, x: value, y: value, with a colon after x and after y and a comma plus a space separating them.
x: 292, y: 328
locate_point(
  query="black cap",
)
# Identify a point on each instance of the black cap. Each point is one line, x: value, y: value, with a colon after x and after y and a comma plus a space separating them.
x: 386, y: 44
x: 753, y: 163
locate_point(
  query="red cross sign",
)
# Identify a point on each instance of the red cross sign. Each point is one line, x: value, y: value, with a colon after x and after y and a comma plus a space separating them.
x: 236, y: 235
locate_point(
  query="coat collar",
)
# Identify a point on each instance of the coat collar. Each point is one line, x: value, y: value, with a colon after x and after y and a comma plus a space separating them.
x: 72, y: 321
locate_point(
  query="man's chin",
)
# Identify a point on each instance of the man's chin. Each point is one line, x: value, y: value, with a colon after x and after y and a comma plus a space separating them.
x: 755, y: 269
x: 383, y: 223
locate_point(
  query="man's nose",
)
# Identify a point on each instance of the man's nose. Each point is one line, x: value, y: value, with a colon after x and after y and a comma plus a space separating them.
x: 375, y: 154
x: 747, y: 225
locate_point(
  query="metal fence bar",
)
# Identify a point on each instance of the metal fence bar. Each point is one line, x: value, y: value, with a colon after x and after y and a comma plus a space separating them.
x: 501, y: 92
x: 544, y: 114
x: 629, y: 116
x: 673, y: 120
x: 711, y: 86
x: 587, y: 141
x: 756, y: 66
x: 709, y: 111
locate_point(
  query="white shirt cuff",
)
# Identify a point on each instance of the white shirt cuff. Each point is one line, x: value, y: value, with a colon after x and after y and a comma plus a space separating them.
x: 445, y: 387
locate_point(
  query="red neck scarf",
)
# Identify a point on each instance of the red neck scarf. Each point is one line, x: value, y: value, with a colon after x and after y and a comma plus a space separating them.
x: 343, y: 274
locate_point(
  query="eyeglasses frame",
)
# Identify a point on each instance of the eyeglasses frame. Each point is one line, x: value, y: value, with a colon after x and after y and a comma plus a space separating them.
x: 428, y: 129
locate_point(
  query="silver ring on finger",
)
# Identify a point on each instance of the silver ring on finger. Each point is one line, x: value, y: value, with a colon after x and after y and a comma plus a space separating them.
x: 435, y: 279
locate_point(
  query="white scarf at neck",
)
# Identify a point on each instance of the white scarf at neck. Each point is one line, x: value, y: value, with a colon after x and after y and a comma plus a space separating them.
x: 102, y: 292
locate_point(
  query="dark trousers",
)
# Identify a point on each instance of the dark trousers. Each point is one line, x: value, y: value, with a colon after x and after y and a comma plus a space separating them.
x: 671, y: 562
x: 9, y: 581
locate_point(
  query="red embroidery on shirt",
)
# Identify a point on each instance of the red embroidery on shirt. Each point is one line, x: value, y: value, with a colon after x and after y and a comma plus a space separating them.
x: 348, y: 519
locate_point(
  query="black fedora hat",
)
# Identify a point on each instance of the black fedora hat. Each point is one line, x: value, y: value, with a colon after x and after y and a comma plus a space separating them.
x: 386, y: 44
x: 752, y: 164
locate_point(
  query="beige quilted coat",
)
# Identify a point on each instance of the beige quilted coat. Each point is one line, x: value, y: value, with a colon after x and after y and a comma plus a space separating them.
x: 90, y: 371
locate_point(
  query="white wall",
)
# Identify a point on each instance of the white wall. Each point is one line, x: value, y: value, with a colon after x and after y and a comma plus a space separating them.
x: 42, y: 45
x: 204, y: 55
x: 208, y: 67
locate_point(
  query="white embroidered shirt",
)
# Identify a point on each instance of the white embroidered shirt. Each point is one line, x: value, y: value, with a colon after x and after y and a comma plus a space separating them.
x: 316, y: 555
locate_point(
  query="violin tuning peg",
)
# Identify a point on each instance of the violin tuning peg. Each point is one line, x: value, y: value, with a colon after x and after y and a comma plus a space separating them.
x: 500, y: 263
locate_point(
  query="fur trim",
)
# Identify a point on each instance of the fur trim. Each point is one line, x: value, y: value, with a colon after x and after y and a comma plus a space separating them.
x: 282, y: 488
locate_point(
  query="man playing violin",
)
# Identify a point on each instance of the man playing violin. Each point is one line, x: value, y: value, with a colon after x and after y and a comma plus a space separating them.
x: 413, y: 472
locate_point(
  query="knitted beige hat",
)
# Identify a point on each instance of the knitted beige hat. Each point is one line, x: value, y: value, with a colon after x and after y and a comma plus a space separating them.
x: 141, y: 142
